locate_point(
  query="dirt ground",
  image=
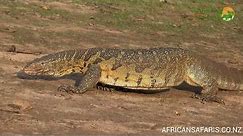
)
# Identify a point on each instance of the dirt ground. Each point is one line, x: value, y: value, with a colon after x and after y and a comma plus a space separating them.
x: 32, y: 28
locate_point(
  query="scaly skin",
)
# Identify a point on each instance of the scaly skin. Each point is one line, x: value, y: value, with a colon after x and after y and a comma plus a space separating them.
x: 144, y: 69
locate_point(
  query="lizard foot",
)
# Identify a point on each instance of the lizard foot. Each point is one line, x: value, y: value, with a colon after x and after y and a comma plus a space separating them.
x: 208, y: 98
x: 69, y: 88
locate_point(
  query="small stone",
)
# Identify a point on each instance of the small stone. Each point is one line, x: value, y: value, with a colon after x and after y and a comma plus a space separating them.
x: 177, y: 113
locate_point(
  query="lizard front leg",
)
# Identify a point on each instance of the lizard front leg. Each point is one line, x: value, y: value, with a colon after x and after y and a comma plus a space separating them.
x: 89, y: 80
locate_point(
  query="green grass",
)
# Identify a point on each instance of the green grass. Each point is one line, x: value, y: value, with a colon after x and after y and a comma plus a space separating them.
x: 153, y: 15
x: 143, y: 16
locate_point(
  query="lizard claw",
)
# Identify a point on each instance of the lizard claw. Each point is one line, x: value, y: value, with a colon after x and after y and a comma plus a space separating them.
x: 68, y: 89
x: 65, y: 88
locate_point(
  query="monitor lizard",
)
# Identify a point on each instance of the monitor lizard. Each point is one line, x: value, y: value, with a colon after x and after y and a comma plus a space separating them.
x: 144, y: 69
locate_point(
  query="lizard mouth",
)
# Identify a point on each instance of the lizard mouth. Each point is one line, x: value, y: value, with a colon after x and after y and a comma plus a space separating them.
x: 22, y: 74
x: 31, y: 71
x: 27, y: 73
x: 32, y: 75
x: 37, y: 71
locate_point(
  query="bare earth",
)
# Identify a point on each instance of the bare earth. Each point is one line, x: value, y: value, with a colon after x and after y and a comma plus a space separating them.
x: 36, y: 107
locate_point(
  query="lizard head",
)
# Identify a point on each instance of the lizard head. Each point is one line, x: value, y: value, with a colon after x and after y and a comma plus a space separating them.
x: 50, y: 66
x: 39, y: 67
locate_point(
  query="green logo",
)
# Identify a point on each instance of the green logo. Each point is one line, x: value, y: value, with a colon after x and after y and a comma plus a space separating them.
x: 228, y: 14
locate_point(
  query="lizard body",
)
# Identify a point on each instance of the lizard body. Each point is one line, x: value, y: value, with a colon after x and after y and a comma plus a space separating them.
x: 145, y: 69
